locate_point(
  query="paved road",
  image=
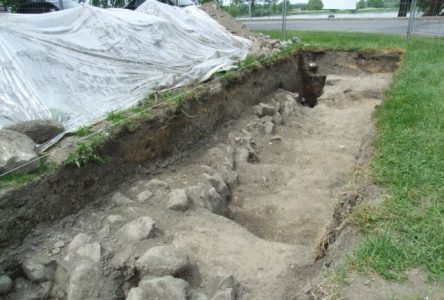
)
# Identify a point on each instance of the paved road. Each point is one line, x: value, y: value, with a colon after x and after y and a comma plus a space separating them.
x: 433, y: 26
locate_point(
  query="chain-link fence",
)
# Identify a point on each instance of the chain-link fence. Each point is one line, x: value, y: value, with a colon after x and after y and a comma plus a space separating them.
x: 401, y: 17
x: 405, y: 17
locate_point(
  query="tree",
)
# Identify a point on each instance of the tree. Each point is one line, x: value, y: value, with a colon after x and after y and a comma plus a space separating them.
x: 375, y: 3
x: 404, y: 7
x: 315, y: 5
x: 431, y: 7
x: 362, y: 4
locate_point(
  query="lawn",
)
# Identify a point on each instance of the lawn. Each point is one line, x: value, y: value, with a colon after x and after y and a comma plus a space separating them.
x: 407, y: 229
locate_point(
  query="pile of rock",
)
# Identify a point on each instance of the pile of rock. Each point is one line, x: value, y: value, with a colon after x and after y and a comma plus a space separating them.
x: 262, y: 44
x: 18, y: 143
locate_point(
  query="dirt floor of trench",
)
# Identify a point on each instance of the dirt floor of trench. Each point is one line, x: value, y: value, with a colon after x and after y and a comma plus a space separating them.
x: 277, y: 171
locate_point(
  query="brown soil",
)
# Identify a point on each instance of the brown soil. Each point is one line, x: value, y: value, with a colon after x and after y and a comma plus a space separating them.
x: 289, y: 182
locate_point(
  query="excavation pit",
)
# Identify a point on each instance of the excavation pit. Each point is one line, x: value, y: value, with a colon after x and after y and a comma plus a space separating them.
x: 263, y: 181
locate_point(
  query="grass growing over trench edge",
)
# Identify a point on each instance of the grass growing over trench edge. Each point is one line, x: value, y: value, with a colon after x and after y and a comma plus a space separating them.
x: 407, y: 229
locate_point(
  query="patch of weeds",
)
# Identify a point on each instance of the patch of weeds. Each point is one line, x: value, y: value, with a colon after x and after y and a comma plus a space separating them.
x: 366, y: 216
x: 334, y: 281
x: 83, y: 131
x: 115, y: 117
x: 151, y: 100
x: 87, y: 151
x: 19, y: 178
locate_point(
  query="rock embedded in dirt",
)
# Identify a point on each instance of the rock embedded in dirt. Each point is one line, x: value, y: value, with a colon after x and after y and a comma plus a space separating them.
x: 16, y: 149
x: 162, y: 261
x: 226, y: 294
x: 115, y: 219
x: 144, y: 196
x: 5, y: 284
x: 230, y: 177
x: 39, y: 272
x: 156, y: 184
x: 313, y: 67
x: 120, y: 199
x: 269, y: 128
x: 263, y: 109
x: 208, y: 198
x: 197, y: 296
x: 137, y: 293
x: 90, y: 251
x: 39, y: 131
x: 277, y: 119
x: 83, y: 281
x: 78, y: 241
x: 226, y: 281
x: 165, y: 288
x: 276, y: 139
x: 137, y: 230
x: 219, y: 184
x: 178, y: 200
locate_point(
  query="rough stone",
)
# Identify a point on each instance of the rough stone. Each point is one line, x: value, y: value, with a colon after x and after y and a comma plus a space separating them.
x: 144, y: 196
x: 263, y: 109
x: 247, y: 154
x: 226, y: 281
x: 39, y: 272
x: 178, y: 200
x: 59, y: 244
x: 78, y: 241
x: 115, y: 219
x: 156, y: 184
x: 230, y: 177
x: 136, y: 293
x: 104, y: 232
x: 162, y: 261
x: 226, y: 294
x: 269, y: 128
x: 313, y: 67
x: 137, y: 230
x: 90, y: 251
x: 208, y: 198
x: 197, y: 296
x: 231, y: 156
x: 120, y: 199
x: 218, y: 183
x: 16, y: 149
x: 289, y: 108
x: 83, y: 281
x: 39, y: 131
x: 277, y: 118
x: 5, y: 284
x: 276, y: 139
x: 165, y: 288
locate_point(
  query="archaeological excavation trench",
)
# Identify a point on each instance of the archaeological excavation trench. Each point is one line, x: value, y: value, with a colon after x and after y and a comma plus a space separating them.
x: 225, y: 198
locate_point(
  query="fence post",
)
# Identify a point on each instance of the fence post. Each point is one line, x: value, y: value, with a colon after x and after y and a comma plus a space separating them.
x: 284, y: 19
x: 411, y: 20
x: 249, y: 8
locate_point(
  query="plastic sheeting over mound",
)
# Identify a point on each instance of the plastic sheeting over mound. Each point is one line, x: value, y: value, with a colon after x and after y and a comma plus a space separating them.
x: 77, y: 65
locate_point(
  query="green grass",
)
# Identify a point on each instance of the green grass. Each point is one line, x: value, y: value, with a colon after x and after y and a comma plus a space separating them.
x: 18, y: 178
x: 407, y: 229
x: 115, y: 117
x: 83, y: 131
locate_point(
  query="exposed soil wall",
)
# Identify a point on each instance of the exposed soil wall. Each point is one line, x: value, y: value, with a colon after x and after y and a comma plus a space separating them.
x: 171, y: 132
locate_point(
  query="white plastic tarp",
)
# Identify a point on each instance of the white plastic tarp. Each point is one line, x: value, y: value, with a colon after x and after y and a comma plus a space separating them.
x: 79, y: 64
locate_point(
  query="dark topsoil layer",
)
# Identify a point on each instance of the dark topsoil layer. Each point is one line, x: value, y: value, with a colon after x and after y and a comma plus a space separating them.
x: 147, y: 146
